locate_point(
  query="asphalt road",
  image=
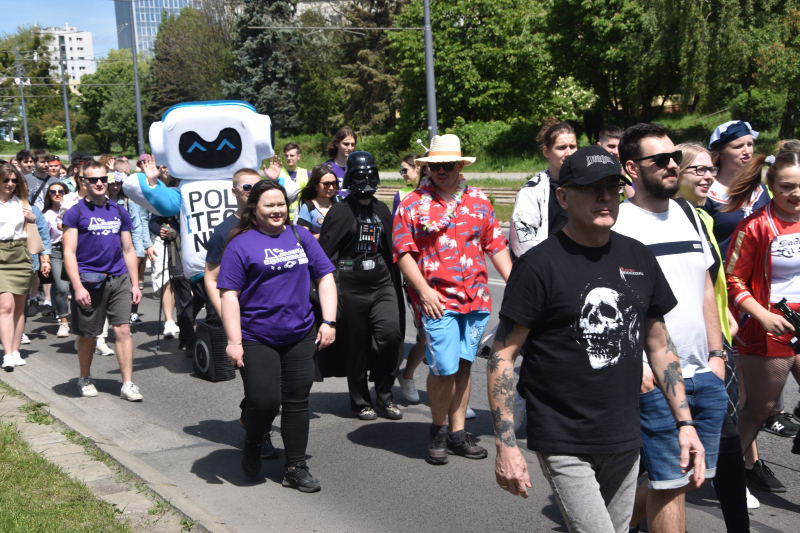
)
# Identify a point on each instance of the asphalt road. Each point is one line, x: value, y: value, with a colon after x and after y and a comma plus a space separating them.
x: 373, y: 474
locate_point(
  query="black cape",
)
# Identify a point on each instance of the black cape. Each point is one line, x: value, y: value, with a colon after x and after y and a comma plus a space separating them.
x: 332, y: 361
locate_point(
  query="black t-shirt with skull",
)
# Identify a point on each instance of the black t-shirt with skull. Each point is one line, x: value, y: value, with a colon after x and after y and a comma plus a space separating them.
x: 582, y: 363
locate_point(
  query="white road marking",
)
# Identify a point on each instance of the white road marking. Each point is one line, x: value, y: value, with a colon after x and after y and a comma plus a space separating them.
x: 497, y: 282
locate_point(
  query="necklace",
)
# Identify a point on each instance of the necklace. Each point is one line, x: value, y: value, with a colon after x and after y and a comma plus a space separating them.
x: 432, y: 226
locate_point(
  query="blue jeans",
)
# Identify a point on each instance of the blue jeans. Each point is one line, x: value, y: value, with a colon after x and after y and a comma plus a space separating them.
x: 707, y: 400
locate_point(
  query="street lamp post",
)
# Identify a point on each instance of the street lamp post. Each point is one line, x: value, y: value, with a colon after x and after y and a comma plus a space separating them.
x: 139, y: 128
x: 430, y: 80
x: 62, y: 64
x: 22, y: 97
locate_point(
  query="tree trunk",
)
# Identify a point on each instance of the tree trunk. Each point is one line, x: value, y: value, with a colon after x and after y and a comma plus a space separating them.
x: 789, y: 120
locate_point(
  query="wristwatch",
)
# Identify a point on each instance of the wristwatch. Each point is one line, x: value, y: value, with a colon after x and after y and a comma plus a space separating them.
x: 722, y: 354
x: 331, y: 323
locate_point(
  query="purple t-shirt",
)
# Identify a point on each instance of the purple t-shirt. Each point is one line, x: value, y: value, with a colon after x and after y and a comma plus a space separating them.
x: 272, y: 275
x: 339, y: 173
x: 99, y: 247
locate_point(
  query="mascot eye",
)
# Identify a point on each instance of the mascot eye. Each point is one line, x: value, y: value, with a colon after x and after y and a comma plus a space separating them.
x: 221, y: 152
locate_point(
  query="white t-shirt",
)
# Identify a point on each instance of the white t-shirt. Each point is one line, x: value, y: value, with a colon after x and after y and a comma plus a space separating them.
x: 12, y: 221
x: 684, y: 257
x: 785, y: 274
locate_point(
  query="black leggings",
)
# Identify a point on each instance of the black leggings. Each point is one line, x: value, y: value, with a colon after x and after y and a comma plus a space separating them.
x: 730, y: 483
x: 275, y: 377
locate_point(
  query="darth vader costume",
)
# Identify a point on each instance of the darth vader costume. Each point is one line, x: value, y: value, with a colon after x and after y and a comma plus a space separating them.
x: 357, y: 237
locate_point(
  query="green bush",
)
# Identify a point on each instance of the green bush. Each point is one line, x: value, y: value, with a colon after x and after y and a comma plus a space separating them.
x: 762, y: 109
x: 86, y: 143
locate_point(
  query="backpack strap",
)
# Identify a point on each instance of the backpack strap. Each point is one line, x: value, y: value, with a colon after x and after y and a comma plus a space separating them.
x: 689, y: 211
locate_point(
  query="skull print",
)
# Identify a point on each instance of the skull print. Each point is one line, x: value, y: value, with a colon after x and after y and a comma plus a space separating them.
x: 602, y: 325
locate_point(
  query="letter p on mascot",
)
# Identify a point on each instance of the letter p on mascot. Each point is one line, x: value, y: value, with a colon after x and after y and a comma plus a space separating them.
x: 203, y: 144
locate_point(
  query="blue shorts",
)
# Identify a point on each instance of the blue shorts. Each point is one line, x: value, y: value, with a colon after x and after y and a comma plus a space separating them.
x: 451, y: 338
x: 661, y: 452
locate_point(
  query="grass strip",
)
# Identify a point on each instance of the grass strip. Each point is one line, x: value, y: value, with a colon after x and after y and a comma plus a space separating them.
x: 36, y: 495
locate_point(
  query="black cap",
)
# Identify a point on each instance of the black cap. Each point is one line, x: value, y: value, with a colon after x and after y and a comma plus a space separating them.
x: 589, y: 165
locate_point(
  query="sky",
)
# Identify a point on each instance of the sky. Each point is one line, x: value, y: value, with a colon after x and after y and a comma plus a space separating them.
x: 96, y: 16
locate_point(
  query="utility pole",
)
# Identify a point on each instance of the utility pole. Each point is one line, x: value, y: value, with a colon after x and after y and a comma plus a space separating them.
x: 139, y: 128
x: 62, y: 63
x: 430, y: 80
x: 22, y: 96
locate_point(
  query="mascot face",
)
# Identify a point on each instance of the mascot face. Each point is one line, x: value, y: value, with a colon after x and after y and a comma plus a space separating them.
x: 361, y: 177
x: 211, y: 140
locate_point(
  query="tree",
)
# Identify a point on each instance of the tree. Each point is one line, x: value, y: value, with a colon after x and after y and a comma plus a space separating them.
x: 265, y: 61
x: 192, y: 56
x: 118, y: 117
x: 102, y: 88
x: 40, y: 78
x: 490, y: 64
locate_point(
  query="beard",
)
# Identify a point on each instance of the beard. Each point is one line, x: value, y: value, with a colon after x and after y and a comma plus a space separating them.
x: 657, y: 187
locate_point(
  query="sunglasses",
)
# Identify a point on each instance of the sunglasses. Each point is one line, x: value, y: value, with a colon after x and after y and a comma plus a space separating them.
x: 700, y: 170
x: 104, y: 179
x: 596, y: 188
x: 662, y: 160
x: 403, y: 171
x: 448, y: 167
x: 327, y: 184
x: 246, y: 187
x: 57, y: 192
x: 12, y: 180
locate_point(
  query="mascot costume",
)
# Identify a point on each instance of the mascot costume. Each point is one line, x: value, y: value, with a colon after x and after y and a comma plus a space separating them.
x: 203, y: 144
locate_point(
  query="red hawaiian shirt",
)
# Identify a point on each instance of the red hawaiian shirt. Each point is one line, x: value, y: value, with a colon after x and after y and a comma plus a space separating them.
x: 450, y: 257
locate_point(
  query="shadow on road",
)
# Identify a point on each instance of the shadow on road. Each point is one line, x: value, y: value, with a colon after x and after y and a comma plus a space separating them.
x: 227, y: 432
x: 408, y: 439
x: 552, y: 512
x: 103, y: 386
x: 225, y: 465
x: 330, y: 403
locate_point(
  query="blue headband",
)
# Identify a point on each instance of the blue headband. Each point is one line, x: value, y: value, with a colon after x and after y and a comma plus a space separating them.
x: 730, y: 131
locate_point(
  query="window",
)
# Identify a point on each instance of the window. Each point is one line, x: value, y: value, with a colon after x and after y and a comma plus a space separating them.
x: 70, y: 39
x: 79, y: 38
x: 80, y: 58
x: 81, y: 68
x: 70, y: 49
x: 80, y: 49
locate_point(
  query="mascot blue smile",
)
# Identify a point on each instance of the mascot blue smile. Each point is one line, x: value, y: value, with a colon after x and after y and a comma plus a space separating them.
x: 202, y: 144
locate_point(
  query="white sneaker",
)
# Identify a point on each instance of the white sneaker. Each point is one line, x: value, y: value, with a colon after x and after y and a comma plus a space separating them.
x: 86, y: 387
x: 752, y: 501
x: 519, y: 410
x: 103, y: 349
x: 63, y: 330
x: 25, y: 339
x: 171, y: 329
x: 408, y: 388
x: 18, y: 360
x: 135, y: 320
x: 130, y: 392
x: 8, y: 362
x: 470, y: 413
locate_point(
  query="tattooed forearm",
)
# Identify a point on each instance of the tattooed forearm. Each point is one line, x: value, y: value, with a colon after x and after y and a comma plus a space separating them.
x: 684, y: 404
x: 671, y: 345
x: 504, y: 330
x: 494, y: 362
x: 672, y: 376
x: 504, y: 387
x: 503, y: 429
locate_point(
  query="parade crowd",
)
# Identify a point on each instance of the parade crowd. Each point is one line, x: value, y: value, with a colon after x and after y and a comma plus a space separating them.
x: 652, y: 293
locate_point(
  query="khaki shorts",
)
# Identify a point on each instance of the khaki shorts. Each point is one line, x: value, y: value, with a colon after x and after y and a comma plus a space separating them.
x: 112, y: 299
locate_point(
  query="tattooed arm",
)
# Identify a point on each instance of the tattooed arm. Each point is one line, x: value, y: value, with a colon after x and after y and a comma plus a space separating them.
x: 511, y: 470
x: 666, y: 366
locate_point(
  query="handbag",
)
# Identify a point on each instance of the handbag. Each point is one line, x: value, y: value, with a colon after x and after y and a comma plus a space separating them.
x: 35, y: 244
x: 313, y: 294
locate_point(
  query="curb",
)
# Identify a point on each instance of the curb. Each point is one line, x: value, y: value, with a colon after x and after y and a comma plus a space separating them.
x: 204, y: 520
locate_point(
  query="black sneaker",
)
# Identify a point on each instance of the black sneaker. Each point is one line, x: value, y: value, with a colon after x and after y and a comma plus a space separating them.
x: 437, y: 446
x: 390, y: 409
x: 761, y: 477
x: 251, y: 460
x: 46, y: 310
x: 33, y: 307
x: 367, y: 413
x: 268, y: 451
x: 463, y: 444
x: 781, y: 425
x: 301, y: 479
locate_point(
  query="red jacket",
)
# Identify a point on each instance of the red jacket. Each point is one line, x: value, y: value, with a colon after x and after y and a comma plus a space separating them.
x: 748, y: 269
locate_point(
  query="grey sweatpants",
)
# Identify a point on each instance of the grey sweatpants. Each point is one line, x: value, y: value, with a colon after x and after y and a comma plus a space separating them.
x: 595, y: 492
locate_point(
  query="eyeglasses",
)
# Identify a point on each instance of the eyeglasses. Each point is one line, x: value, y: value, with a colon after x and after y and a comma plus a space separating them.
x: 662, y: 160
x: 12, y: 180
x: 448, y: 167
x: 700, y: 170
x: 103, y: 179
x: 57, y: 192
x: 327, y: 184
x: 596, y: 189
x: 403, y: 171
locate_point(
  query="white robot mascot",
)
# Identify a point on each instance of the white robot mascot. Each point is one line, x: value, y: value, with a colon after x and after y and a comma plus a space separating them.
x: 203, y: 144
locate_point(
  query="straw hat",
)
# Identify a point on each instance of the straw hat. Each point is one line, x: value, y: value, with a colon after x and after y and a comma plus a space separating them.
x: 444, y: 149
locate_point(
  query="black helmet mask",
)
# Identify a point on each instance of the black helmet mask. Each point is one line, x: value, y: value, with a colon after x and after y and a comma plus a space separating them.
x: 361, y: 176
